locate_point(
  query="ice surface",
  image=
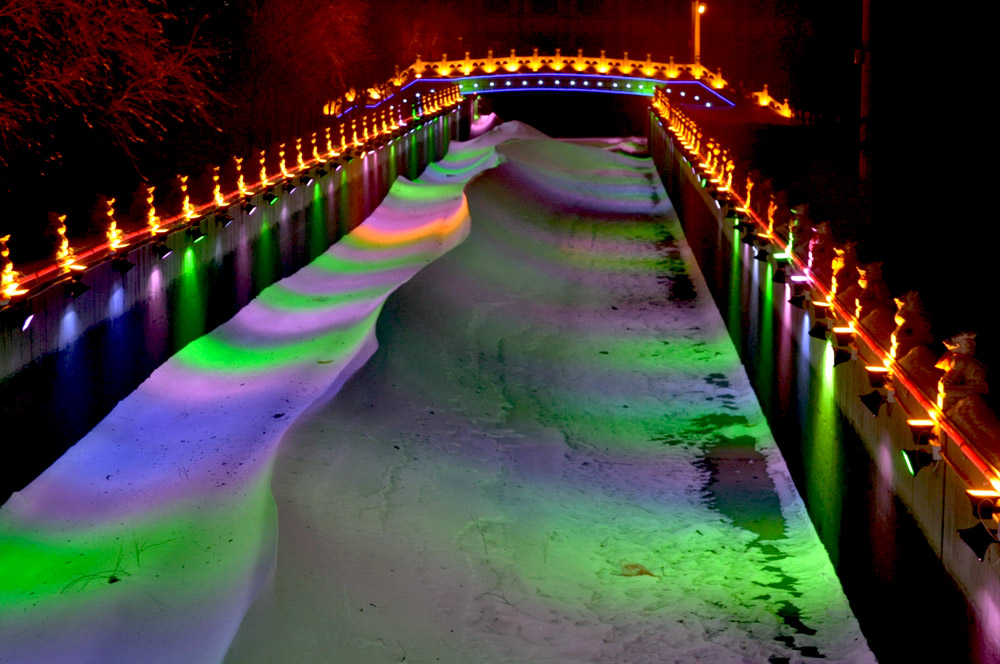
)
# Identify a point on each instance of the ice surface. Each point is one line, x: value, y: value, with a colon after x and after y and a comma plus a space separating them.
x: 550, y: 403
x: 541, y: 417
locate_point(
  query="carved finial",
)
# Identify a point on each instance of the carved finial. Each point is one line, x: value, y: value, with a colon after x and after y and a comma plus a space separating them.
x: 964, y: 374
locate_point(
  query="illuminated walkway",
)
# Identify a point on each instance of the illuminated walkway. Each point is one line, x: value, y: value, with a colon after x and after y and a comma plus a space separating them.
x: 554, y: 456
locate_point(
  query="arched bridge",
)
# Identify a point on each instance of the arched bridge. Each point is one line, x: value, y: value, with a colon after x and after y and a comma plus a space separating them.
x: 687, y: 83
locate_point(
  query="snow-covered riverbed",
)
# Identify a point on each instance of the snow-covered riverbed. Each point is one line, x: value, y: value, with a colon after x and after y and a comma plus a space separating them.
x: 554, y: 455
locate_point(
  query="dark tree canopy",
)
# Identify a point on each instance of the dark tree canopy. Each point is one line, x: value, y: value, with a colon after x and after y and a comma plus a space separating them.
x: 71, y: 66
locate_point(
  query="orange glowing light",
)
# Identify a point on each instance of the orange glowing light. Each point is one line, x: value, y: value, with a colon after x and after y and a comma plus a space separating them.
x: 217, y: 190
x: 836, y: 265
x: 727, y: 182
x: 152, y: 221
x: 263, y: 168
x: 65, y: 256
x: 187, y: 207
x: 512, y: 64
x: 298, y: 154
x: 9, y: 286
x: 702, y: 8
x: 329, y: 143
x: 114, y: 234
x: 9, y: 277
x: 281, y: 160
x: 240, y: 184
x: 315, y: 147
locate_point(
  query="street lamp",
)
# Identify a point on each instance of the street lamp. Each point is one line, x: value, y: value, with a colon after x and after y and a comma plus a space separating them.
x: 697, y: 9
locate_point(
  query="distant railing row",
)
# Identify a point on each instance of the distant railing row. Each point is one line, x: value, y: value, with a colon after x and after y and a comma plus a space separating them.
x: 852, y: 307
x: 624, y: 66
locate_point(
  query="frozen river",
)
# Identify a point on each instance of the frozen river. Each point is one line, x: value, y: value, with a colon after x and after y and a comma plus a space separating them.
x: 553, y: 455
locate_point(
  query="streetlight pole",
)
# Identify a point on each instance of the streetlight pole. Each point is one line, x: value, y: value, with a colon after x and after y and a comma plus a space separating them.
x: 697, y: 9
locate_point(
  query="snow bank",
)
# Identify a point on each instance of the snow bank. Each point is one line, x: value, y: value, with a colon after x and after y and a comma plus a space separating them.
x: 148, y: 539
x: 554, y: 456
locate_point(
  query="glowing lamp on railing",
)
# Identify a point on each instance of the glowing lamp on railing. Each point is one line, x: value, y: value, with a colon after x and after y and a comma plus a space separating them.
x: 9, y: 286
x: 719, y: 82
x: 152, y: 221
x: 877, y: 376
x: 299, y: 160
x: 983, y: 502
x: 240, y: 183
x: 842, y: 336
x: 188, y: 209
x: 263, y: 168
x: 9, y: 277
x: 217, y: 188
x: 772, y: 207
x: 922, y: 430
x: 329, y: 143
x: 65, y: 256
x: 763, y: 97
x: 281, y: 160
x: 114, y: 234
x: 511, y: 65
x: 820, y: 309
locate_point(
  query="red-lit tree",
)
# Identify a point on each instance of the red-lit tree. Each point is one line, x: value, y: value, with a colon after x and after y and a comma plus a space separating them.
x: 101, y: 66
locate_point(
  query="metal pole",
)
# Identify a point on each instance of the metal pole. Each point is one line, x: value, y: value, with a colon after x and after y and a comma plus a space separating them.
x: 697, y: 9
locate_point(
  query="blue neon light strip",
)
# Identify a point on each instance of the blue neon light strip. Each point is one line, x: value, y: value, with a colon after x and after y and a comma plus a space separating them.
x: 522, y: 82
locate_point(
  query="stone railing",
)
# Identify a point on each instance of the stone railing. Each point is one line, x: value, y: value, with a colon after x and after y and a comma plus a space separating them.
x: 353, y: 130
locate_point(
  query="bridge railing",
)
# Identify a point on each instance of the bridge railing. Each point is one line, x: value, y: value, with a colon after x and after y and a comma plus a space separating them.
x: 560, y: 62
x: 940, y: 398
x: 354, y: 128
